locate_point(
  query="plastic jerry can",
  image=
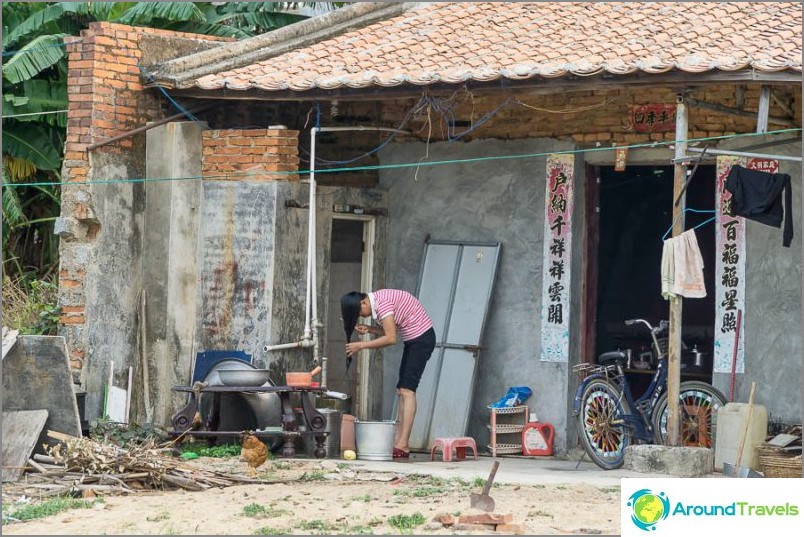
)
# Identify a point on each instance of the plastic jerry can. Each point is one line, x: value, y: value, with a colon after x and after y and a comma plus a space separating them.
x: 731, y: 423
x: 537, y: 439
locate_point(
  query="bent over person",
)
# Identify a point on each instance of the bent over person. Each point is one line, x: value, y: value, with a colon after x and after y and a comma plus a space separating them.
x: 401, y: 315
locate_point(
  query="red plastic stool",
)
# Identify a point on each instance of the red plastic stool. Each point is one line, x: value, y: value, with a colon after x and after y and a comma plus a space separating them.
x: 459, y: 444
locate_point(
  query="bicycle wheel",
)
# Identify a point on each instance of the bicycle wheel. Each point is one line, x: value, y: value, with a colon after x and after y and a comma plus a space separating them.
x: 603, y: 434
x: 698, y: 404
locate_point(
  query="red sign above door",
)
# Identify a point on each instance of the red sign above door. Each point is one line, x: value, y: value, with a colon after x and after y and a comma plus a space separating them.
x: 652, y: 117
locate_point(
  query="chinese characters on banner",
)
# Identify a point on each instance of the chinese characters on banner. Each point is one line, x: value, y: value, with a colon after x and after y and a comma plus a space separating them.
x: 652, y: 117
x: 557, y: 254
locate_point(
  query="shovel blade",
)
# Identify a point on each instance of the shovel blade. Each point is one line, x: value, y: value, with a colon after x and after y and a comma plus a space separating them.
x: 484, y: 502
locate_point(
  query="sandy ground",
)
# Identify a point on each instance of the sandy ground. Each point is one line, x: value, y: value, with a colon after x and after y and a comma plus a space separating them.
x: 310, y: 497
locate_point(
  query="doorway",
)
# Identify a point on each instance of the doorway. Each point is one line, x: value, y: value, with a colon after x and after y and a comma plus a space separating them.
x: 350, y: 269
x: 634, y: 214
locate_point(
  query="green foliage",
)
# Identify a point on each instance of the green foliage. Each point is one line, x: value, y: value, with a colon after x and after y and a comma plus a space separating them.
x: 30, y: 306
x: 123, y: 435
x: 318, y: 525
x: 256, y: 510
x: 406, y: 523
x: 312, y: 476
x: 222, y: 451
x: 48, y: 508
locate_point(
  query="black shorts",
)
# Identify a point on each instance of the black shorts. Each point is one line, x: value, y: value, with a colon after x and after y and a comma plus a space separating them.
x: 414, y: 358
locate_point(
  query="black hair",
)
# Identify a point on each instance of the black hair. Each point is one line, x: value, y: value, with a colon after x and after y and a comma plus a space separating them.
x: 350, y: 311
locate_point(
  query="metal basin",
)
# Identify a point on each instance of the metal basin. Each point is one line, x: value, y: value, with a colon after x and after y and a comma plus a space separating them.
x: 244, y: 377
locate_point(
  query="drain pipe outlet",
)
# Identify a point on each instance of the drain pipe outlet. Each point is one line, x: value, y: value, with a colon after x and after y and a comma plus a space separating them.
x: 303, y: 344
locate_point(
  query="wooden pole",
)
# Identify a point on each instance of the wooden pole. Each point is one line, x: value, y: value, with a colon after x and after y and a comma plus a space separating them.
x: 674, y: 347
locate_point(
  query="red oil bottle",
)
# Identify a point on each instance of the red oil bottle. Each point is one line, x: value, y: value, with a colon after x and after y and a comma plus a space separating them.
x: 537, y: 438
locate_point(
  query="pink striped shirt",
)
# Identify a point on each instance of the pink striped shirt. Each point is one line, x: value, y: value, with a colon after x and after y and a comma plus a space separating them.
x: 409, y: 315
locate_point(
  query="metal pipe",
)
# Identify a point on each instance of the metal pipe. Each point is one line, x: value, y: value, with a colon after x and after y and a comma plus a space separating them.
x: 149, y: 126
x: 740, y: 154
x: 303, y: 344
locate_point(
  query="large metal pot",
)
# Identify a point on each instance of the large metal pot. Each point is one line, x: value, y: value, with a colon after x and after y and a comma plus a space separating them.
x: 242, y: 411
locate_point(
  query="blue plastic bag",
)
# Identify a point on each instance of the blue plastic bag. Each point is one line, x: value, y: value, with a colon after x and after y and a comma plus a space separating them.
x: 514, y: 397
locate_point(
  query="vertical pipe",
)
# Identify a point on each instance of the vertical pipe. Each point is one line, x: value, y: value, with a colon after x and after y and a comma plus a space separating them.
x: 674, y: 347
x: 310, y: 224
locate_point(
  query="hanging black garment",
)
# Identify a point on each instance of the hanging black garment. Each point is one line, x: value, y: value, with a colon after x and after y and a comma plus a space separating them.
x: 758, y: 196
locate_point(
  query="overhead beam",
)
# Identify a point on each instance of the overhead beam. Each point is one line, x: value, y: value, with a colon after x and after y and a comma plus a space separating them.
x: 788, y: 122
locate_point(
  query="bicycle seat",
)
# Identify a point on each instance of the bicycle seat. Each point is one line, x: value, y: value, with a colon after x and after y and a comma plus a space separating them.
x: 612, y: 358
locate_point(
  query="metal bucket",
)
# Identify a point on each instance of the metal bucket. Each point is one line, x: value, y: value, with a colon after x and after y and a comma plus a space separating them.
x: 375, y: 440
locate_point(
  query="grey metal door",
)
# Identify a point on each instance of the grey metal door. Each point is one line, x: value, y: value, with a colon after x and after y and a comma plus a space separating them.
x: 455, y: 286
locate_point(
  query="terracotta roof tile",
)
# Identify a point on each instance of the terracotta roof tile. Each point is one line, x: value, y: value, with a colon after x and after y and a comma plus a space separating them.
x: 453, y: 42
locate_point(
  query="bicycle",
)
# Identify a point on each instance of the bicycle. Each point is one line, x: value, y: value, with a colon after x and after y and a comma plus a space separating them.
x: 610, y: 419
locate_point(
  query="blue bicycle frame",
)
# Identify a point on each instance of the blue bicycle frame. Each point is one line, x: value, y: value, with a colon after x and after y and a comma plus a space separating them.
x: 632, y: 414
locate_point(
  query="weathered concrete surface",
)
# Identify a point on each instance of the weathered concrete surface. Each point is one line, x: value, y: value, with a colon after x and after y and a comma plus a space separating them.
x: 676, y: 461
x: 496, y: 200
x: 170, y: 263
x: 113, y: 278
x: 36, y: 375
x: 773, y: 305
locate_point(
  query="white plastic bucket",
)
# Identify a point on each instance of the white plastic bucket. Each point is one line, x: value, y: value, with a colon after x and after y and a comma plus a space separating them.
x: 375, y: 440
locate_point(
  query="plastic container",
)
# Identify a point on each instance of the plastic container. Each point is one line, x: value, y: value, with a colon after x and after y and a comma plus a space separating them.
x: 348, y: 433
x: 375, y: 440
x: 731, y: 421
x: 537, y: 439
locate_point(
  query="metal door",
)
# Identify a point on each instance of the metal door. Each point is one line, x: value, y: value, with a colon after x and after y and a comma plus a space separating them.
x: 455, y: 286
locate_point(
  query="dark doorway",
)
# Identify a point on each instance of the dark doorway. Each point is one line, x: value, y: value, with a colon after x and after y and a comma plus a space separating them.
x: 635, y: 212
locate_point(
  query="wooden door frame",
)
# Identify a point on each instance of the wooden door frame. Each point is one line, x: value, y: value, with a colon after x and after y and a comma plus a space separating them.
x: 590, y: 265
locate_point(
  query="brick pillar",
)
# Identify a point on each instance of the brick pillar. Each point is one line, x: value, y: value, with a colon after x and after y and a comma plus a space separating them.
x: 251, y: 155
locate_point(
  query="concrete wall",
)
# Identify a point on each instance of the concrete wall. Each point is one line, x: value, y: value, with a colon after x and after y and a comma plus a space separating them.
x: 496, y: 200
x: 773, y: 308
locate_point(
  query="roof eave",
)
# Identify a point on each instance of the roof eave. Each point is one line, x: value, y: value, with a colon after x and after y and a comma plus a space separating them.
x: 674, y: 78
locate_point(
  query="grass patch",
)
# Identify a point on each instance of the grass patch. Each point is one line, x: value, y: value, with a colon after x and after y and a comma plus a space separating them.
x: 267, y: 530
x: 421, y: 492
x: 359, y: 530
x: 255, y: 510
x: 281, y: 465
x: 366, y: 498
x: 157, y: 518
x: 534, y: 514
x: 610, y: 490
x: 313, y: 476
x: 49, y: 508
x: 318, y: 525
x: 406, y: 523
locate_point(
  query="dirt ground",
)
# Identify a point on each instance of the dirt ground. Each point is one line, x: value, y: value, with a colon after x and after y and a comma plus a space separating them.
x: 306, y: 497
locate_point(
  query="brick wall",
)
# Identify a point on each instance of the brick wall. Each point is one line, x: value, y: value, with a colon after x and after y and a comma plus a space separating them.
x: 250, y: 155
x: 106, y: 98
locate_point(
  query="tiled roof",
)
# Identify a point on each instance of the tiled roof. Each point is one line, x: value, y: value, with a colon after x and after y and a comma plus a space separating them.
x: 455, y: 42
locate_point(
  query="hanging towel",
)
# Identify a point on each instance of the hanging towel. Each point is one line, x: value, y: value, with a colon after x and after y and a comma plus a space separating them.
x: 757, y: 196
x: 688, y: 279
x: 668, y: 269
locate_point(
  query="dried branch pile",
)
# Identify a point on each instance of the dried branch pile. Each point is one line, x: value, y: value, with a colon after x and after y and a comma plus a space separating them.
x: 81, y: 465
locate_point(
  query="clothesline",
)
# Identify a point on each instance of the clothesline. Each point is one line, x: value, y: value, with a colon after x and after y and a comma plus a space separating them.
x: 702, y: 211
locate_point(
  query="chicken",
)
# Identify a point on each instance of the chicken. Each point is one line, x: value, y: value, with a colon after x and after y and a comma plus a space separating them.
x: 253, y: 452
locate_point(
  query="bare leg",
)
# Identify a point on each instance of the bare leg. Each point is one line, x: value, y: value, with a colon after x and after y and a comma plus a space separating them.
x: 400, y: 413
x: 406, y: 415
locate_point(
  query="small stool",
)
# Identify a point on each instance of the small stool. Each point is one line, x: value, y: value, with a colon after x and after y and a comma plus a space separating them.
x: 447, y: 444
